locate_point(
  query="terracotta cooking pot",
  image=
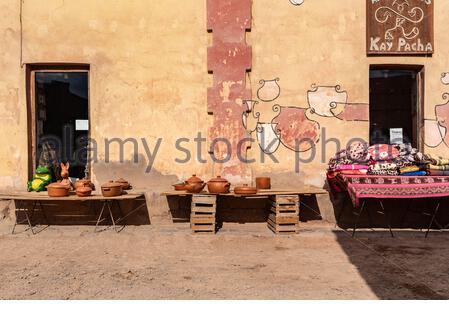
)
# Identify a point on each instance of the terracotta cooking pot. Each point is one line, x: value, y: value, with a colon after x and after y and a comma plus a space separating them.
x: 84, y: 183
x: 194, y: 184
x: 180, y: 186
x: 263, y: 183
x: 245, y: 189
x: 58, y: 189
x: 83, y: 191
x: 125, y: 184
x: 218, y: 185
x: 111, y: 189
x: 195, y: 188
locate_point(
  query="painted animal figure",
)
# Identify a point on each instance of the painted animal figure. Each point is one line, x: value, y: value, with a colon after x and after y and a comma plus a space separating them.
x: 65, y: 175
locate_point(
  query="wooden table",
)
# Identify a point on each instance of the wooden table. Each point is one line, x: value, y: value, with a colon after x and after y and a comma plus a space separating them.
x: 284, y: 209
x: 37, y: 198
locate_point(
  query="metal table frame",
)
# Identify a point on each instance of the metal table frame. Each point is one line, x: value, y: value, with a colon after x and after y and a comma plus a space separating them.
x: 37, y: 206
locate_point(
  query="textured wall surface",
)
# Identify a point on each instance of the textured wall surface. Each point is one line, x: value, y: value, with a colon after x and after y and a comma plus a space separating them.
x: 149, y: 79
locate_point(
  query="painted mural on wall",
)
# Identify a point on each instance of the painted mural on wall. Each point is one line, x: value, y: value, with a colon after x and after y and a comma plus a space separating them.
x: 292, y: 126
x: 296, y: 2
x: 436, y: 130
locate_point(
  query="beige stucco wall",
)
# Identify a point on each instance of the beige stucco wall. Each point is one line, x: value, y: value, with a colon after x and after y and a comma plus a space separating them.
x: 148, y: 76
x: 322, y: 42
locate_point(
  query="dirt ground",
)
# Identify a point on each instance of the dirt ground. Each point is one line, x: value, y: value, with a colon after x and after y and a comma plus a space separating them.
x: 240, y: 262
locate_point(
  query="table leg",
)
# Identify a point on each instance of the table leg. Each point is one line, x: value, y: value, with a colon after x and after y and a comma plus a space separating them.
x: 100, y: 215
x: 437, y: 209
x: 386, y: 213
x: 358, y: 217
x: 17, y: 209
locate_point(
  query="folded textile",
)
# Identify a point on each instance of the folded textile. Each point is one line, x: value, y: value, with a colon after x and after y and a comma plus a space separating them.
x: 383, y: 165
x: 381, y: 152
x: 340, y: 167
x: 440, y: 168
x: 358, y: 152
x: 416, y: 173
x: 439, y: 161
x: 409, y: 169
x: 437, y: 173
x: 354, y: 172
x: 384, y: 172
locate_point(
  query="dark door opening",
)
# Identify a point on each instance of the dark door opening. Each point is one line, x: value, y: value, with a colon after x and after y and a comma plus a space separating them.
x: 59, y: 101
x: 396, y: 105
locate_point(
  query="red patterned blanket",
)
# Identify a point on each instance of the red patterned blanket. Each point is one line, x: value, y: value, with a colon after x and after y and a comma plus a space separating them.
x: 384, y: 187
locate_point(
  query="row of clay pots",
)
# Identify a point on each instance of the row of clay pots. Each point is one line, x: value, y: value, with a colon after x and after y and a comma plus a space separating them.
x: 220, y: 185
x: 84, y: 188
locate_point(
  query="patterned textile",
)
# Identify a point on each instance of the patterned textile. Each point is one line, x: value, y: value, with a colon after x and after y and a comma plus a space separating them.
x: 358, y: 152
x: 439, y: 168
x: 409, y: 169
x: 416, y: 173
x: 439, y: 161
x: 383, y: 187
x: 351, y: 167
x: 383, y: 152
x: 354, y: 172
x: 437, y: 173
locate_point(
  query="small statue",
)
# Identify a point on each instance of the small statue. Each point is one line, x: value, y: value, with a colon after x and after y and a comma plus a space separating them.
x: 65, y: 175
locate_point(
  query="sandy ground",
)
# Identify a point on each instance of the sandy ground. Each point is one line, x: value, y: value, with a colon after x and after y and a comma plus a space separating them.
x: 240, y: 262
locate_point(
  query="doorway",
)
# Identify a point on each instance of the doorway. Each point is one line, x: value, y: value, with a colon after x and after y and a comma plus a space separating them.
x: 396, y: 105
x: 58, y: 99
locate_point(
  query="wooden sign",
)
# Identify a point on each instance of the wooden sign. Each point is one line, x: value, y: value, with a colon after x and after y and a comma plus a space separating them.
x: 400, y: 27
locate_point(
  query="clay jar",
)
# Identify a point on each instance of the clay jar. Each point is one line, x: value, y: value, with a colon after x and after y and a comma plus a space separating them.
x: 263, y: 183
x: 180, y: 186
x: 218, y: 185
x: 194, y: 184
x: 111, y: 189
x: 57, y: 190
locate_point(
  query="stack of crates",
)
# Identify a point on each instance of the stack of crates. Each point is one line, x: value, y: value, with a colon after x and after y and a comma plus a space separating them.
x: 284, y: 214
x: 203, y: 213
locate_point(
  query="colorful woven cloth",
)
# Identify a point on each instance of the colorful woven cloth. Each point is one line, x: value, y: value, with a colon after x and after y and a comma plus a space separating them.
x: 408, y: 169
x: 439, y: 161
x: 384, y: 187
x: 437, y: 173
x: 383, y: 152
x: 416, y: 173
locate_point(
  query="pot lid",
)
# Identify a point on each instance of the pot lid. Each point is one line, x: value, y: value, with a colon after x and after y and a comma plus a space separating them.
x: 84, y: 189
x: 218, y: 179
x: 58, y: 185
x: 194, y: 179
x: 121, y: 180
x: 111, y: 184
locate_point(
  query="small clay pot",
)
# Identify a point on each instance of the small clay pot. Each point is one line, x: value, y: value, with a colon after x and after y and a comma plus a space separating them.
x: 195, y: 188
x: 180, y: 186
x: 245, y: 189
x: 58, y: 190
x: 84, y: 183
x: 263, y: 183
x: 83, y: 191
x: 218, y: 185
x: 111, y: 189
x: 194, y: 180
x: 125, y: 184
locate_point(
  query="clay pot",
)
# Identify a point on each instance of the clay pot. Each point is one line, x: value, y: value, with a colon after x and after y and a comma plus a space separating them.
x: 218, y: 185
x: 195, y: 188
x: 125, y: 184
x: 111, y: 189
x: 245, y: 189
x: 84, y: 183
x: 180, y: 186
x: 194, y: 184
x: 263, y: 183
x: 57, y: 190
x: 83, y: 191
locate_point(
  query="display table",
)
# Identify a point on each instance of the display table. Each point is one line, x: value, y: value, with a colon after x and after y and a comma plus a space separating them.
x: 37, y: 198
x: 362, y: 187
x: 283, y: 206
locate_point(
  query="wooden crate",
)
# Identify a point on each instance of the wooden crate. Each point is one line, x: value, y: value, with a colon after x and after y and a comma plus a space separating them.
x: 283, y: 224
x: 284, y: 214
x: 284, y: 205
x: 203, y: 214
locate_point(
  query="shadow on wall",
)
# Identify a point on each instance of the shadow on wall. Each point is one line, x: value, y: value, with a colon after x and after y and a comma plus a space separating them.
x: 406, y: 267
